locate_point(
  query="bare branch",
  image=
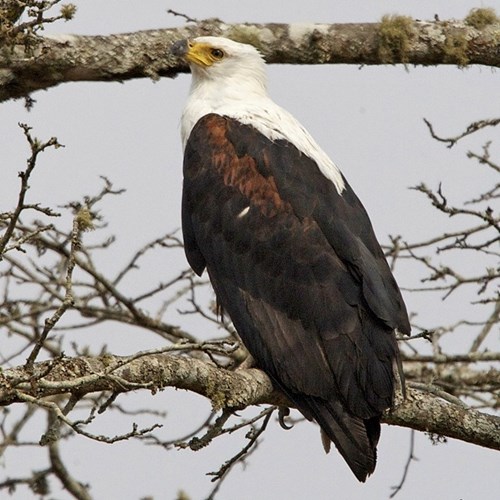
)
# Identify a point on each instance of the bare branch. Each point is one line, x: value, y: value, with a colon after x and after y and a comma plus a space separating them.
x: 411, y: 458
x: 146, y: 54
x: 81, y: 222
x: 430, y: 414
x: 471, y: 129
x: 179, y: 14
x: 75, y: 488
x: 233, y: 390
x: 253, y: 436
x: 37, y: 147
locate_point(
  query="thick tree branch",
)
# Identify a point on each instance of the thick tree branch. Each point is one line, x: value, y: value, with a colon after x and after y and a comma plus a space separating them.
x: 423, y: 412
x: 226, y: 389
x: 152, y: 371
x: 50, y: 61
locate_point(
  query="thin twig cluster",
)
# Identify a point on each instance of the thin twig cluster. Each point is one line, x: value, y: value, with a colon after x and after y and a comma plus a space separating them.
x: 51, y: 284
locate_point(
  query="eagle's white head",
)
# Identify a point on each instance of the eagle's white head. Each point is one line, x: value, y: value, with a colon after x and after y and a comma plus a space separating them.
x: 225, y: 62
x: 228, y: 78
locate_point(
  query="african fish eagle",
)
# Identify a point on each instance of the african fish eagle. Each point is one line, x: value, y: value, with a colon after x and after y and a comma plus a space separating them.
x: 289, y: 249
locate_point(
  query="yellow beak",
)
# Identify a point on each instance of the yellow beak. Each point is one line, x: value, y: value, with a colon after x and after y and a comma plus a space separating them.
x: 193, y: 52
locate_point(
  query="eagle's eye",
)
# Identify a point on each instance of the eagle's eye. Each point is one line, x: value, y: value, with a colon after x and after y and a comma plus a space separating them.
x: 217, y: 53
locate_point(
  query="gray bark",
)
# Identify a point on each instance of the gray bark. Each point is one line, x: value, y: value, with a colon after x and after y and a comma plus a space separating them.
x: 50, y: 61
x: 238, y: 389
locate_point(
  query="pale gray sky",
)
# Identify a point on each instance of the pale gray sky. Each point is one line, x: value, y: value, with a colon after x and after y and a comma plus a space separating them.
x: 368, y: 119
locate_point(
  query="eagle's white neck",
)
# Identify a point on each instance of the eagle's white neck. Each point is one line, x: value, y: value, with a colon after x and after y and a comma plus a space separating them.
x: 243, y: 96
x: 227, y: 94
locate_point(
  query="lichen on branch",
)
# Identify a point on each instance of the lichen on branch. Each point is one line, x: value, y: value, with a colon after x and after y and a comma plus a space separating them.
x: 53, y: 60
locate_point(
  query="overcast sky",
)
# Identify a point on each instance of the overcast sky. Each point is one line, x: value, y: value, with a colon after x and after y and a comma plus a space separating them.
x: 368, y: 119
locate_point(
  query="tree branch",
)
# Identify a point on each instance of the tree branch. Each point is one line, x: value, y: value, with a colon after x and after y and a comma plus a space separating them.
x: 74, y: 487
x: 52, y: 60
x: 226, y: 389
x: 423, y: 412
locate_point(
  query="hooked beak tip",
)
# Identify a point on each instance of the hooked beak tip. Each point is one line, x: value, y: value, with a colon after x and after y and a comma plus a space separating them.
x: 179, y: 48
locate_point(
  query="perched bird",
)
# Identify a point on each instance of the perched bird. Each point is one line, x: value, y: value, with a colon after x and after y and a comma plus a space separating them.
x: 289, y: 250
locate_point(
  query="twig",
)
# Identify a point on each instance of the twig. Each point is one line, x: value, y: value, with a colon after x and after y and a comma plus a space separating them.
x: 253, y: 436
x: 472, y: 128
x: 36, y: 148
x: 179, y: 14
x: 494, y: 319
x: 36, y: 11
x: 80, y: 223
x: 75, y: 488
x: 436, y: 391
x: 181, y: 442
x: 37, y: 482
x: 12, y: 436
x: 411, y: 457
x: 471, y: 357
x: 214, y: 430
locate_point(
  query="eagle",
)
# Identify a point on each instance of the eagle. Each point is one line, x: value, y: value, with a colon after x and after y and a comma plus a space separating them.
x: 289, y: 250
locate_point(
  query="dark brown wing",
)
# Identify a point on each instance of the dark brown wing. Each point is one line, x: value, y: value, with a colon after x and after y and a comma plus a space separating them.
x: 299, y: 271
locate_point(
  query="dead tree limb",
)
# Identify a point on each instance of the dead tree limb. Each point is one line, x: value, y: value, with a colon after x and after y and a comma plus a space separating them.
x: 226, y: 389
x: 50, y: 60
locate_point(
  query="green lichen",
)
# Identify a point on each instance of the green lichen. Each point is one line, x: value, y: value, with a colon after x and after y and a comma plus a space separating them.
x: 107, y: 360
x: 68, y: 11
x: 455, y: 48
x: 217, y: 397
x: 394, y: 36
x: 251, y: 35
x: 480, y: 18
x: 16, y: 31
x: 182, y: 495
x: 245, y: 34
x: 85, y: 219
x: 218, y: 400
x: 223, y: 395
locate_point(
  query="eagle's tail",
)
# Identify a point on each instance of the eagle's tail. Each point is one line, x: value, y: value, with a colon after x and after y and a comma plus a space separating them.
x: 355, y: 438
